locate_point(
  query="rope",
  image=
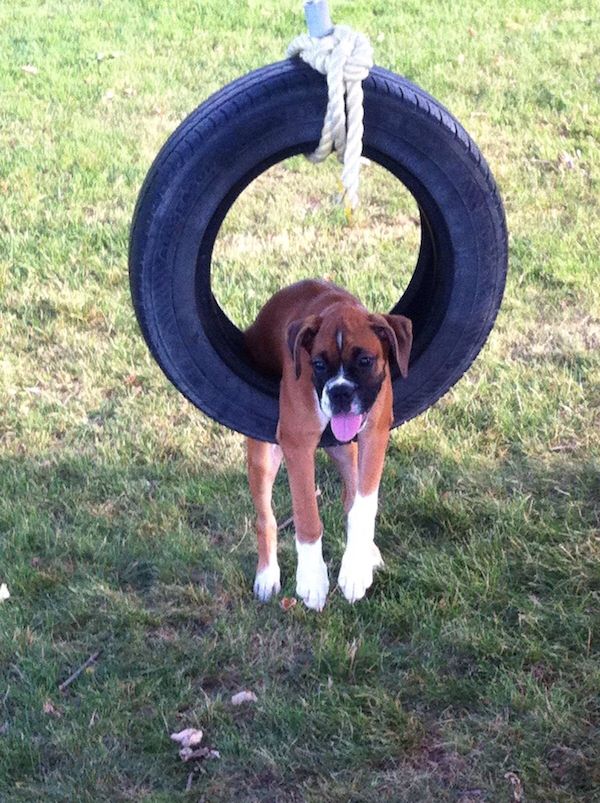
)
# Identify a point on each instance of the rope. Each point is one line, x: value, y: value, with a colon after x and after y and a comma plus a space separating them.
x: 345, y: 57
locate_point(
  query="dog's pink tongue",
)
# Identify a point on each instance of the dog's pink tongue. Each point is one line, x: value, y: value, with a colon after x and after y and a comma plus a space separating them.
x: 345, y: 426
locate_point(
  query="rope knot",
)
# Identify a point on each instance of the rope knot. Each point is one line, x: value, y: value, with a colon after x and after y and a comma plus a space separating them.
x: 345, y: 57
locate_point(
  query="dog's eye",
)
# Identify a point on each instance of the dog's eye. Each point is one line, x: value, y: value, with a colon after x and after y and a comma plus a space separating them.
x: 319, y: 365
x: 365, y: 362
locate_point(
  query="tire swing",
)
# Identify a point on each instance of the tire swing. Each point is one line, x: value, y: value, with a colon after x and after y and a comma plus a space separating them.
x: 245, y: 128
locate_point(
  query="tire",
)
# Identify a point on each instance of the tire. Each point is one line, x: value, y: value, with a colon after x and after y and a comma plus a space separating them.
x: 245, y: 128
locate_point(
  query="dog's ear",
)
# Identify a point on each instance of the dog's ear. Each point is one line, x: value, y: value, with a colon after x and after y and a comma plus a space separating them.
x: 396, y: 332
x: 300, y: 334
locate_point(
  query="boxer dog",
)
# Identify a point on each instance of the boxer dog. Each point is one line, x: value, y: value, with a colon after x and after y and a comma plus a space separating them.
x: 334, y: 359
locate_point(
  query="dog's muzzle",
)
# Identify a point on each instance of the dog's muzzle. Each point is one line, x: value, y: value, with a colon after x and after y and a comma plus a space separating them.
x: 341, y: 403
x: 342, y: 397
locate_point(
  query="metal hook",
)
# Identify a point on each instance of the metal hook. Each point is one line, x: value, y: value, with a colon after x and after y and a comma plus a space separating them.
x: 317, y: 18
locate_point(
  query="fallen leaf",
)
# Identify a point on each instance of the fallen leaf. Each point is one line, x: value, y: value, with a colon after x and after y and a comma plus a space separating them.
x: 133, y: 382
x: 189, y: 740
x: 513, y: 25
x: 287, y: 603
x: 567, y: 160
x: 244, y: 697
x: 190, y: 737
x: 187, y: 754
x: 30, y: 69
x: 535, y: 601
x: 352, y: 650
x: 517, y: 787
x: 4, y: 592
x: 50, y: 709
x: 114, y: 54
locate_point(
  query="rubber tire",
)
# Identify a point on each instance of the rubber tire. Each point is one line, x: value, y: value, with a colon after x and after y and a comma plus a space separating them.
x: 245, y: 128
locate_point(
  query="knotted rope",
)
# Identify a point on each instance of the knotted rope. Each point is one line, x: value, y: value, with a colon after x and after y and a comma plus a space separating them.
x: 345, y: 57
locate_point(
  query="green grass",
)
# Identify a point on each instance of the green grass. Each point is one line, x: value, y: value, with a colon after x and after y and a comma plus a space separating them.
x: 125, y: 519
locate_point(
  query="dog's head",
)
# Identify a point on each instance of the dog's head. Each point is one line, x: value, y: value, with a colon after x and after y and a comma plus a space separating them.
x: 349, y: 351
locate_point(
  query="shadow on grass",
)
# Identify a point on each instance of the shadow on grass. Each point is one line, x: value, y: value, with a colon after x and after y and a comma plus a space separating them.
x: 475, y: 649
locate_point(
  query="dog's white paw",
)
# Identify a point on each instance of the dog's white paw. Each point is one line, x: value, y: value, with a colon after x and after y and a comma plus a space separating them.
x: 313, y: 587
x: 267, y: 582
x: 356, y: 571
x: 312, y: 581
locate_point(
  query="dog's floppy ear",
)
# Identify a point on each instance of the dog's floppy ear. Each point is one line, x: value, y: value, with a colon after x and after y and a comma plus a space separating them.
x: 300, y: 334
x: 396, y: 331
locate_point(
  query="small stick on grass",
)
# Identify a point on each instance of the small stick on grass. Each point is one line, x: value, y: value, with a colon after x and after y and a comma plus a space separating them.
x: 285, y: 524
x: 289, y: 521
x: 190, y: 781
x: 66, y: 683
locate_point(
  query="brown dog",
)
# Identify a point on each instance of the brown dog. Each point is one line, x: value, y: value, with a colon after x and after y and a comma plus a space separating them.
x: 333, y: 357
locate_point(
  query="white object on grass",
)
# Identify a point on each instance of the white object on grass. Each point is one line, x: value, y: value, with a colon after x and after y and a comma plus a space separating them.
x: 189, y: 737
x: 244, y: 697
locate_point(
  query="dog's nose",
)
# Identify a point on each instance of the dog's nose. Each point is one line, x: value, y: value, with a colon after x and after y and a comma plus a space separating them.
x: 341, y: 397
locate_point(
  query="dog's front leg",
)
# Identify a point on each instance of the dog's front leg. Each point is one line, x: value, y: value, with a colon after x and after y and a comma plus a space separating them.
x: 362, y: 556
x: 312, y: 582
x: 345, y: 456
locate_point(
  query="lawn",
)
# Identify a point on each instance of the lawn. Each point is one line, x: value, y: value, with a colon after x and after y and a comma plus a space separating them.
x: 470, y: 673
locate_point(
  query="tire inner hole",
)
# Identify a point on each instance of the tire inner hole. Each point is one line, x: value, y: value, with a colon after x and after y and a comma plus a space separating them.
x: 286, y: 226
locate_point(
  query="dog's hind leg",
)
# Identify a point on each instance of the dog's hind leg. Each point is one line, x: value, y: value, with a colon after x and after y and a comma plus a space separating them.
x: 345, y: 457
x: 264, y: 460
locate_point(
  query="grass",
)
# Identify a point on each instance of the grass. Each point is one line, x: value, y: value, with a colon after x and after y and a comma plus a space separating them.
x: 125, y: 519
